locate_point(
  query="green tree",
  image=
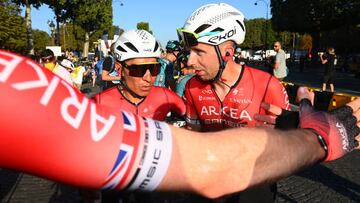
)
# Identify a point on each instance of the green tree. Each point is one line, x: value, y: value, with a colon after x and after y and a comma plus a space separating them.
x: 143, y: 26
x: 28, y: 4
x: 41, y: 40
x: 12, y: 28
x: 91, y: 16
x: 259, y: 34
x: 313, y: 17
x: 60, y: 8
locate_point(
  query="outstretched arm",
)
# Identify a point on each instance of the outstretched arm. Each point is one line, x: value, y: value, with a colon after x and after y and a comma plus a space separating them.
x: 57, y: 133
x: 215, y: 164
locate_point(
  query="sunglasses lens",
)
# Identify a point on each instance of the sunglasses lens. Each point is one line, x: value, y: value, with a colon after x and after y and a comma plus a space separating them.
x: 140, y: 70
x: 187, y: 38
x: 47, y: 59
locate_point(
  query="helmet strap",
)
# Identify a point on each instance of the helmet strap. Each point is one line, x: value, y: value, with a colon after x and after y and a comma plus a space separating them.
x: 222, y: 65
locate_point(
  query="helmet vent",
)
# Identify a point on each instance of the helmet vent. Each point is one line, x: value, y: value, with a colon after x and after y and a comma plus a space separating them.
x: 202, y: 28
x: 142, y: 34
x: 220, y: 17
x: 131, y: 46
x: 219, y: 29
x: 156, y: 46
x: 121, y: 49
x: 241, y: 25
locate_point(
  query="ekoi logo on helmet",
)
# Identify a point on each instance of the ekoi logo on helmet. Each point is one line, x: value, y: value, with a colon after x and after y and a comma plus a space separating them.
x: 222, y: 37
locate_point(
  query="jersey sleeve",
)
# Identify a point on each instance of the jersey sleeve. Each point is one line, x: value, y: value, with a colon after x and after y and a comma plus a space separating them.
x: 51, y: 130
x: 276, y: 94
x: 191, y: 116
x: 177, y: 104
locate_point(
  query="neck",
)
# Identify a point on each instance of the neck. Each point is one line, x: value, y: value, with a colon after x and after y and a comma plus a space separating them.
x: 129, y: 96
x: 229, y: 77
x: 230, y: 74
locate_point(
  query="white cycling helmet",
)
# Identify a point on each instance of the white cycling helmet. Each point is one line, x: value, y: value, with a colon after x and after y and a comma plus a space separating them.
x: 66, y: 63
x: 214, y: 24
x: 136, y: 44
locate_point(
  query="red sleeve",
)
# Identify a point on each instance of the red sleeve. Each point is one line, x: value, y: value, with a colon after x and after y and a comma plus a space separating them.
x: 191, y: 113
x: 276, y: 94
x: 177, y: 105
x: 51, y: 130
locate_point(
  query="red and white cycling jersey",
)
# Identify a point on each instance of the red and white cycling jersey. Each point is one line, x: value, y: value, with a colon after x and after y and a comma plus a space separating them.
x: 50, y: 129
x: 156, y: 105
x: 239, y: 106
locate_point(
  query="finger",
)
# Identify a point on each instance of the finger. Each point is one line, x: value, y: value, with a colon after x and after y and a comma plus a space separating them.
x: 357, y: 139
x: 304, y: 93
x: 271, y: 108
x: 355, y: 105
x: 265, y: 118
x: 357, y: 115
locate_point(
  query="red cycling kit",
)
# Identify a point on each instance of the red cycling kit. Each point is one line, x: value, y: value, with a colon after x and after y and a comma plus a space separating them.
x: 71, y: 139
x: 239, y: 106
x: 156, y: 105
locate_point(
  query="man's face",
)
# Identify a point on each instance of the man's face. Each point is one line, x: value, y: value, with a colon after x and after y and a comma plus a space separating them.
x: 203, y: 59
x: 139, y: 83
x: 277, y: 47
x: 48, y: 62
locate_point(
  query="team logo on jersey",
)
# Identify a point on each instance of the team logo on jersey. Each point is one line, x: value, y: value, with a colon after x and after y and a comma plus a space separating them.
x: 129, y: 121
x: 120, y: 167
x: 206, y: 91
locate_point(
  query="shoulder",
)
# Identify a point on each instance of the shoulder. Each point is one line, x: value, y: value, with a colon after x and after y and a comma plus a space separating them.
x: 256, y: 72
x: 107, y: 63
x: 111, y: 92
x: 195, y: 82
x: 163, y: 61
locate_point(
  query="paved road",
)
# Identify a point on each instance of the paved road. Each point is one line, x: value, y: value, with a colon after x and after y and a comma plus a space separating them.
x: 338, y: 181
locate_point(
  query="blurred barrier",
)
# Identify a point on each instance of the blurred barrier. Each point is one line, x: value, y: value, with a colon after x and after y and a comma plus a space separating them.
x: 323, y: 100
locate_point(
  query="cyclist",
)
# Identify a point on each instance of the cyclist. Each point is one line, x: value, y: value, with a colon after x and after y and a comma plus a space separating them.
x: 223, y: 93
x: 96, y: 147
x: 166, y: 74
x: 186, y: 73
x: 136, y: 53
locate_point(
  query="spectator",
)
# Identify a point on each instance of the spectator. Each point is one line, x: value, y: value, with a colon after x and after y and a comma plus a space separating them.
x: 49, y: 62
x: 329, y: 60
x: 280, y: 69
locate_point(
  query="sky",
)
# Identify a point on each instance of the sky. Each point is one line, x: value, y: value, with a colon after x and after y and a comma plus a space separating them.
x: 163, y: 16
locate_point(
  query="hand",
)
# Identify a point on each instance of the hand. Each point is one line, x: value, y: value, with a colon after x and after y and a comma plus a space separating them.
x: 267, y: 121
x: 338, y: 130
x: 281, y: 118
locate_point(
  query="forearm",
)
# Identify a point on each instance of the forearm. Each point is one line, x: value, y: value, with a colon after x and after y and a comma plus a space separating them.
x: 249, y: 158
x: 105, y: 76
x: 276, y: 65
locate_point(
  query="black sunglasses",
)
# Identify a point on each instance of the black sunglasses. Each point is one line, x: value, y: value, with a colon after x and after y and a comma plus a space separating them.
x: 47, y: 59
x: 139, y: 70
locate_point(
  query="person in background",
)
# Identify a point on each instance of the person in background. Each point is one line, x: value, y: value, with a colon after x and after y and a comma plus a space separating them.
x: 280, y: 69
x: 48, y: 60
x: 165, y: 77
x: 330, y: 61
